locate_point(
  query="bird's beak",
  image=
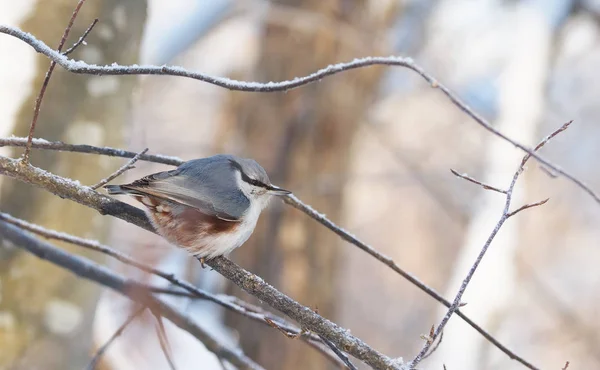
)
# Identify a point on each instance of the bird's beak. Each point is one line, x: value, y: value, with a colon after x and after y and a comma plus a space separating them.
x: 274, y: 190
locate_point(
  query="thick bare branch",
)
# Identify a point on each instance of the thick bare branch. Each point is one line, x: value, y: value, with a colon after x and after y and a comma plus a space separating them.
x: 101, y: 275
x: 114, y: 69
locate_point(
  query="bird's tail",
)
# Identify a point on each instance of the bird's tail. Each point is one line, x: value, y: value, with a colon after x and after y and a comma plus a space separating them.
x: 115, y: 189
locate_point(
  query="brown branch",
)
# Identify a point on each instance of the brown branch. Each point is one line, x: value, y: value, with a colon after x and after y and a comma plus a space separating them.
x: 40, y: 97
x: 101, y: 275
x: 293, y: 201
x: 307, y: 318
x: 477, y: 182
x: 126, y: 167
x: 81, y: 39
x: 506, y: 214
x: 118, y: 70
x: 94, y: 362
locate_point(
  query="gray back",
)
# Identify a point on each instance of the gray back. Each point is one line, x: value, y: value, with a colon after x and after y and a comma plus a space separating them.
x: 208, y: 184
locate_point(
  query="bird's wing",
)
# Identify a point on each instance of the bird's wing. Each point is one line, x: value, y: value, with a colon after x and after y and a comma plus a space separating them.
x: 219, y: 198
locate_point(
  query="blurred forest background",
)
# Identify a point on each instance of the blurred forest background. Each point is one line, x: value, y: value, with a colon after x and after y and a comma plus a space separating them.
x: 371, y: 148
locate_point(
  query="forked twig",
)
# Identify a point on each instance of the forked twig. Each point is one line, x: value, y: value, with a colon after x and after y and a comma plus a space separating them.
x: 81, y: 39
x: 40, y: 97
x: 126, y: 167
x: 506, y: 214
x: 94, y: 362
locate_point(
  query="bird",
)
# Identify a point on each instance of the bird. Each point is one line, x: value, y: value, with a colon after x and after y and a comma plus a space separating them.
x: 207, y: 206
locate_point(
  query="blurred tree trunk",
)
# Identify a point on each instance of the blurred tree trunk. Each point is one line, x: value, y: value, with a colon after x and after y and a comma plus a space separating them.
x: 302, y: 137
x: 45, y: 310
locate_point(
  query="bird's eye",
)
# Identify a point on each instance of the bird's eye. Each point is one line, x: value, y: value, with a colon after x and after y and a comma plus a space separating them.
x: 245, y: 177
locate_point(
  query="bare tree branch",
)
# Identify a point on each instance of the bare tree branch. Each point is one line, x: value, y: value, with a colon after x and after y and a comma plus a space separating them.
x: 99, y: 274
x: 126, y: 167
x: 114, y: 69
x: 506, y: 214
x: 40, y: 97
x: 100, y: 352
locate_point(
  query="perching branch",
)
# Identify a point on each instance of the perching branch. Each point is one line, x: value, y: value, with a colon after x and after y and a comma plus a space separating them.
x: 506, y: 214
x: 114, y: 69
x: 101, y: 275
x: 296, y: 203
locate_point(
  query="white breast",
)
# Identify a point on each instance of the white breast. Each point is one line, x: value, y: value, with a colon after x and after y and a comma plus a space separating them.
x: 221, y: 244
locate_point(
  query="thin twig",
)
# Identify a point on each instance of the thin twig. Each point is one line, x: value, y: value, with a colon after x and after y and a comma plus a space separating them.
x: 91, y: 271
x: 234, y: 85
x: 566, y: 366
x: 89, y: 149
x: 340, y: 354
x: 506, y: 214
x: 469, y: 178
x: 94, y: 362
x: 306, y: 335
x: 164, y: 340
x: 526, y: 206
x: 82, y: 38
x: 126, y: 167
x: 40, y: 97
x: 433, y: 349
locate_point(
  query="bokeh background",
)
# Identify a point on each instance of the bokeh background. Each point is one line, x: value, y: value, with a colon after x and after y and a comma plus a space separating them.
x: 370, y: 148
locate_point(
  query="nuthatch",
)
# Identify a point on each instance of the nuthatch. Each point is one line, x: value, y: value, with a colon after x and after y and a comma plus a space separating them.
x: 207, y: 206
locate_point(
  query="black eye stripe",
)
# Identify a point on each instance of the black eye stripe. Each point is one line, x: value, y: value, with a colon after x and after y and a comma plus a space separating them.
x: 245, y: 177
